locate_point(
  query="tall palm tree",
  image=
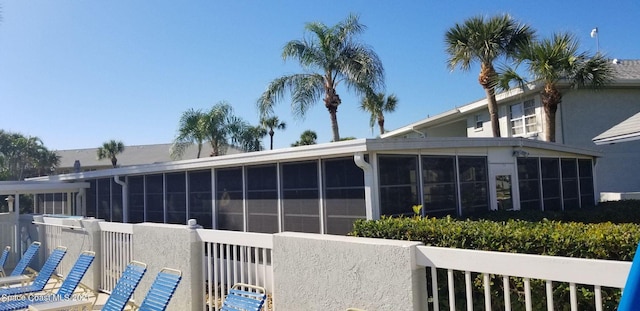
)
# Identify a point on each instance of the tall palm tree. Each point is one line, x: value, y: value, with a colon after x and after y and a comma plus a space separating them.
x: 272, y: 123
x: 377, y: 104
x: 556, y: 60
x: 109, y: 150
x: 192, y: 129
x: 485, y: 40
x: 307, y: 137
x: 337, y: 58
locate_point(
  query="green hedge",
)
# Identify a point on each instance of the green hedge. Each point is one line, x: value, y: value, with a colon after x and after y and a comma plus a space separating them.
x: 547, y: 237
x: 626, y: 211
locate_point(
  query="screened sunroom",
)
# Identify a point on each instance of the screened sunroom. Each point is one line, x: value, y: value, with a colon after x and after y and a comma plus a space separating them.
x: 324, y: 188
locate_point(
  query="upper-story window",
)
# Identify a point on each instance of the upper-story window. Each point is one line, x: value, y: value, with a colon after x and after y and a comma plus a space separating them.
x: 523, y: 118
x: 479, y: 121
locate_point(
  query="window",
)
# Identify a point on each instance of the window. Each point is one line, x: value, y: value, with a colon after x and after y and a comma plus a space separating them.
x: 479, y: 121
x: 136, y: 199
x: 523, y: 118
x: 200, y: 197
x: 529, y: 183
x: 176, y: 198
x: 439, y: 185
x: 155, y: 201
x: 398, y: 184
x: 473, y: 185
x: 229, y: 197
x: 569, y: 183
x: 585, y: 169
x: 344, y: 194
x: 262, y: 198
x: 550, y: 168
x: 300, y: 192
x: 104, y: 198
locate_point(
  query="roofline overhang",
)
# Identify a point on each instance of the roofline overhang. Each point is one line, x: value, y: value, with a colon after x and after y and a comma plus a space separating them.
x: 320, y: 151
x: 32, y: 186
x: 617, y: 139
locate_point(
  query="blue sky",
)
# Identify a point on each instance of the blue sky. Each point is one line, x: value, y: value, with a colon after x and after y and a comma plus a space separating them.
x: 78, y: 73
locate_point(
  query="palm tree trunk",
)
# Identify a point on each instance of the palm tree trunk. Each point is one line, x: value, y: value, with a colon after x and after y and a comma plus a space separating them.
x: 334, y: 123
x: 551, y: 98
x: 271, y: 132
x: 493, y: 111
x: 114, y: 161
x: 199, y: 150
x: 331, y: 102
x: 487, y: 79
x: 381, y: 125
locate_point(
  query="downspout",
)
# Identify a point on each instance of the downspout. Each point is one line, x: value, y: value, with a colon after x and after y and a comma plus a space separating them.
x: 79, y: 202
x: 372, y: 207
x: 125, y: 198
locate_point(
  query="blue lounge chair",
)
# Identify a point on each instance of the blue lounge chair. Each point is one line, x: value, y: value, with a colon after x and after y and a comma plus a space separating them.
x: 43, y: 276
x: 3, y: 260
x: 118, y: 298
x: 26, y: 259
x: 240, y: 298
x: 65, y: 291
x: 161, y: 290
x: 125, y: 286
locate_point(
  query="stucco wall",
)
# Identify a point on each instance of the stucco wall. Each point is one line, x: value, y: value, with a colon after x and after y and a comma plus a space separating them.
x: 325, y: 272
x: 176, y: 247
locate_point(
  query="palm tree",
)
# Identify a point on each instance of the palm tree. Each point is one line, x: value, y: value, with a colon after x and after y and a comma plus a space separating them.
x: 307, y: 137
x: 249, y: 137
x: 377, y: 104
x: 272, y: 123
x: 220, y: 126
x: 484, y: 41
x: 192, y: 129
x: 109, y: 150
x: 337, y: 58
x: 556, y: 60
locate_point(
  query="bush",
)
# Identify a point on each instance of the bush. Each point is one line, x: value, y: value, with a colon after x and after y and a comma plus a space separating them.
x: 626, y: 211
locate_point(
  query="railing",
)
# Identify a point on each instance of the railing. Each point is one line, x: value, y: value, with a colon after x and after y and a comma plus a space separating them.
x: 116, y: 251
x: 235, y: 257
x: 518, y: 276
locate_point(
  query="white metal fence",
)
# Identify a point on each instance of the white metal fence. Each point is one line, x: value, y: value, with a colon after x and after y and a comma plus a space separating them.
x: 531, y: 280
x: 116, y: 240
x: 235, y: 257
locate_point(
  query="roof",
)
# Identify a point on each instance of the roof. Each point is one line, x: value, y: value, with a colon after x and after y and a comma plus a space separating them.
x: 323, y: 151
x: 626, y: 69
x: 626, y: 130
x: 626, y: 73
x: 132, y: 155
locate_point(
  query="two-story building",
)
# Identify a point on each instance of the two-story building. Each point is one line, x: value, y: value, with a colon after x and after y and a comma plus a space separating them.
x: 582, y: 115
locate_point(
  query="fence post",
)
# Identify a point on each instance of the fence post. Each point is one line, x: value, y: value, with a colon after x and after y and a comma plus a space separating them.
x: 328, y: 272
x: 173, y: 246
